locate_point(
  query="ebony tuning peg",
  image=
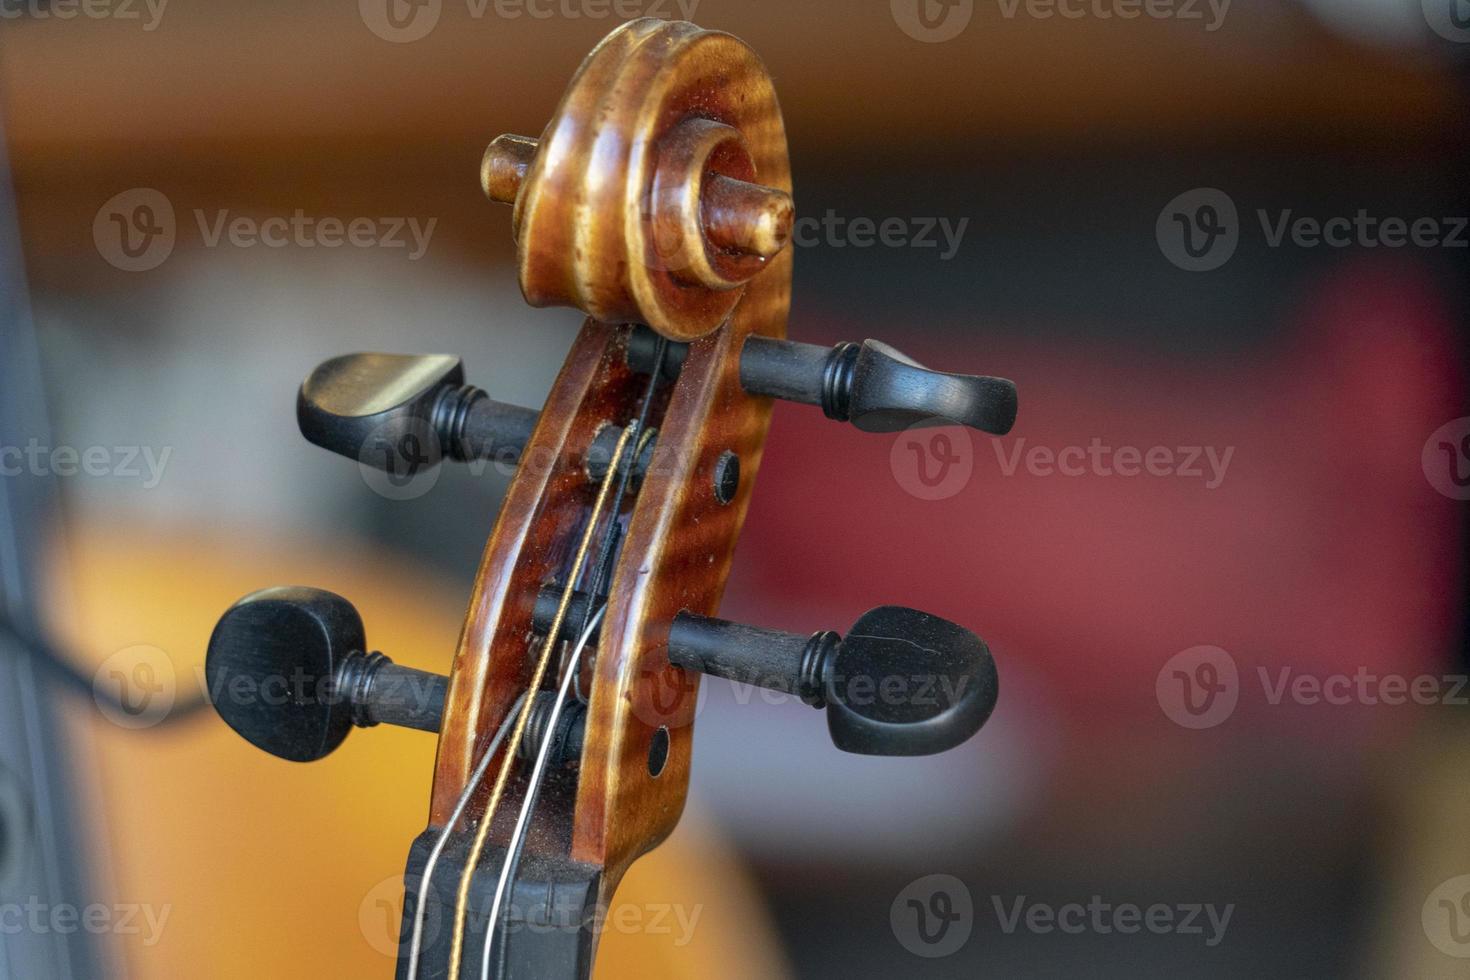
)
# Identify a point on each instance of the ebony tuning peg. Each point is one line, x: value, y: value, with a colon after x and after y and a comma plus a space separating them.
x: 902, y: 682
x: 875, y: 387
x: 871, y: 385
x: 289, y: 670
x: 403, y: 413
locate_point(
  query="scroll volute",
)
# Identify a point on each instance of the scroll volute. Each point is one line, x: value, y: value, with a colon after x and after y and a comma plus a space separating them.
x: 658, y: 194
x: 660, y: 187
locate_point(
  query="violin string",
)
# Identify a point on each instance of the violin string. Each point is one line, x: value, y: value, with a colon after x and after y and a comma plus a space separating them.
x: 416, y: 941
x: 600, y: 568
x: 482, y: 834
x: 572, y: 672
x: 614, y: 538
x: 533, y: 790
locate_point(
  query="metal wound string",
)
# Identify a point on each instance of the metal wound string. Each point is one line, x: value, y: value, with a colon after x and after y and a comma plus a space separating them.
x: 416, y: 942
x: 482, y: 834
x: 599, y: 570
x: 533, y: 788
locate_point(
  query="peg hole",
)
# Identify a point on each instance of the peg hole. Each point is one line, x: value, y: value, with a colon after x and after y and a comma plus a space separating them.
x: 658, y: 751
x: 727, y: 477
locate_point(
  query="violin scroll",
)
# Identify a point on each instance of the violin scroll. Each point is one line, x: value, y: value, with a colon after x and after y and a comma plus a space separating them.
x: 660, y: 186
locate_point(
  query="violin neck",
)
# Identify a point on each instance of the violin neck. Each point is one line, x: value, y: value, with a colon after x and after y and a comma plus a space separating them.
x: 549, y: 920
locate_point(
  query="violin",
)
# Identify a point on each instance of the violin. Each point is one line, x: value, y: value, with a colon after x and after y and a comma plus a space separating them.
x: 657, y: 201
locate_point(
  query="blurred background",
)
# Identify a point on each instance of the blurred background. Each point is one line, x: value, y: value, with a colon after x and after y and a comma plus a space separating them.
x: 1223, y: 541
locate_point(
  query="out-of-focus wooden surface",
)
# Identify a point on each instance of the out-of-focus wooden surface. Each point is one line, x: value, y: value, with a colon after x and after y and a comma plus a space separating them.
x: 214, y: 77
x: 275, y: 106
x: 270, y: 869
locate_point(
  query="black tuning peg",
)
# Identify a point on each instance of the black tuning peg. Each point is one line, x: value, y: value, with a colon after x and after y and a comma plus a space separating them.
x: 902, y: 682
x: 871, y: 385
x: 289, y: 670
x: 403, y: 413
x: 875, y: 387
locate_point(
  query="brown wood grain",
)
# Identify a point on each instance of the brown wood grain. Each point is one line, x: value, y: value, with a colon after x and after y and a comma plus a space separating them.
x: 680, y: 539
x: 600, y: 217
